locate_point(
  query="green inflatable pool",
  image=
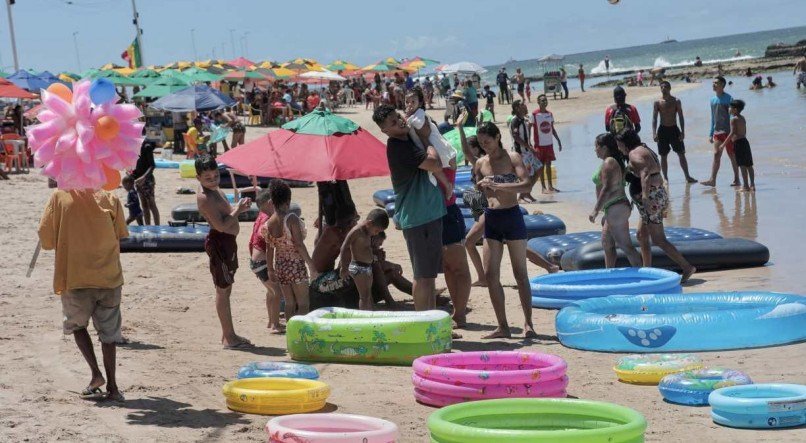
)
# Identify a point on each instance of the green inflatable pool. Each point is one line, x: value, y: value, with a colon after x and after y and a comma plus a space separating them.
x: 370, y: 337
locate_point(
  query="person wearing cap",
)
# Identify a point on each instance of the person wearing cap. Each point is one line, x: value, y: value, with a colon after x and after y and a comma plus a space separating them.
x: 457, y: 107
x: 620, y: 115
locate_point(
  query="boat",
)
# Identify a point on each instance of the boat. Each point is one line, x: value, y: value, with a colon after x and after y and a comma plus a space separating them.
x: 668, y: 40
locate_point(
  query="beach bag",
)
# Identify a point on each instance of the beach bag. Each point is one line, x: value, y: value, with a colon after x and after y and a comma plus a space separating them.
x: 620, y: 120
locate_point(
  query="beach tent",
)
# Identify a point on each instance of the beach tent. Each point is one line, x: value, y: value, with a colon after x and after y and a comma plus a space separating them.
x: 197, y: 98
x: 241, y: 62
x: 464, y: 68
x: 162, y: 87
x: 27, y: 81
x: 10, y: 90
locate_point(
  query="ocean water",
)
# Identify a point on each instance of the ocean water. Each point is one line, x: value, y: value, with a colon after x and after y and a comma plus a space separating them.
x: 774, y: 215
x: 710, y: 50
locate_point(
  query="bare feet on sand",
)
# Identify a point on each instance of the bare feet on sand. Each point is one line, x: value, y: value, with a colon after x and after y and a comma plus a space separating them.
x: 736, y: 183
x: 237, y: 342
x: 498, y: 333
x: 479, y: 283
x: 529, y: 331
x: 691, y: 179
x: 708, y: 183
x: 687, y: 274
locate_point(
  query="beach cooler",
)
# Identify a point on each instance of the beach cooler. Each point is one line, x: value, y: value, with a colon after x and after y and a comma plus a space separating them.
x: 165, y: 238
x: 553, y: 247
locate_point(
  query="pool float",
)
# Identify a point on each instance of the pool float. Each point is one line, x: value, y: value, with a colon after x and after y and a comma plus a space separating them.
x: 446, y: 379
x: 649, y: 369
x: 466, y: 212
x: 705, y: 255
x: 161, y: 163
x: 537, y: 225
x: 693, y: 387
x: 553, y: 247
x: 683, y: 322
x: 534, y: 420
x: 383, y: 197
x: 275, y: 396
x: 554, y: 291
x: 331, y: 428
x: 258, y: 369
x: 375, y: 337
x: 190, y: 212
x: 164, y: 238
x: 759, y: 406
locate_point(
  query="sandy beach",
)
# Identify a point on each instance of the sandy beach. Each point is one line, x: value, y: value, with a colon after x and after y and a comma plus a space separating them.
x: 173, y: 370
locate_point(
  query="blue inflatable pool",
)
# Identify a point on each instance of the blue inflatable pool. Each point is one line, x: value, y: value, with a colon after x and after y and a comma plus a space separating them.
x: 553, y: 247
x: 536, y: 225
x: 554, y: 291
x: 760, y: 406
x: 165, y: 238
x: 278, y: 369
x: 683, y: 322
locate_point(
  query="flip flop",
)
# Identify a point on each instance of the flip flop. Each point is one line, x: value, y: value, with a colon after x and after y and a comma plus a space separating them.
x: 92, y: 394
x: 116, y: 397
x: 240, y: 345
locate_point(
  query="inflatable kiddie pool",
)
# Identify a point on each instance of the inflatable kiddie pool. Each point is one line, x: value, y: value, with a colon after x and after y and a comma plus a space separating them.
x: 694, y: 387
x: 561, y: 289
x: 331, y: 428
x: 535, y: 420
x: 275, y: 396
x: 446, y: 379
x: 683, y: 322
x: 651, y: 368
x: 259, y: 369
x: 375, y: 337
x: 760, y: 406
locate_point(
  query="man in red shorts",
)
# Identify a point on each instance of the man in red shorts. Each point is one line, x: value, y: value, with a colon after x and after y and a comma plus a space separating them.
x: 720, y: 128
x: 544, y: 133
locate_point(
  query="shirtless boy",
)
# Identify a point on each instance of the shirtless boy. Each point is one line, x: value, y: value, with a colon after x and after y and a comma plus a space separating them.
x: 220, y: 243
x: 356, y: 255
x: 668, y: 135
x: 738, y: 133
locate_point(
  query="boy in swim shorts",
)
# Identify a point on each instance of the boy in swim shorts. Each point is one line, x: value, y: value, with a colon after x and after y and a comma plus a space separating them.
x: 356, y: 254
x: 741, y: 147
x: 220, y: 243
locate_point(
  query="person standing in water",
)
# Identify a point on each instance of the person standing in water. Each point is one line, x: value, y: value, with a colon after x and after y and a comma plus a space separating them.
x: 607, y: 64
x: 720, y: 128
x: 668, y: 135
x: 744, y: 158
x: 649, y: 195
x: 544, y: 135
x: 581, y: 75
x: 800, y: 71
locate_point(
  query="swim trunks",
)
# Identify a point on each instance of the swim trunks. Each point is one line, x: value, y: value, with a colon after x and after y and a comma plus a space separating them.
x: 260, y: 269
x: 504, y: 224
x: 653, y: 211
x: 359, y: 268
x: 669, y: 139
x: 743, y: 155
x: 223, y: 252
x: 453, y: 226
x: 721, y: 137
x: 545, y: 153
x: 424, y: 243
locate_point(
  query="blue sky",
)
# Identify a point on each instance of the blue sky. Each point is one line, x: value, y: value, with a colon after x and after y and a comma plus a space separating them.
x: 362, y: 31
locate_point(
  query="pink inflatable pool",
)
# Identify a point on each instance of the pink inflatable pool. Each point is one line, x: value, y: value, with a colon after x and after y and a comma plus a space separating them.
x: 445, y: 379
x: 331, y: 428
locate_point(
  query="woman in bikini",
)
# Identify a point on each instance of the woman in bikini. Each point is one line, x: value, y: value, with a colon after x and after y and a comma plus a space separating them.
x: 504, y: 176
x: 649, y: 195
x: 286, y: 254
x: 610, y: 198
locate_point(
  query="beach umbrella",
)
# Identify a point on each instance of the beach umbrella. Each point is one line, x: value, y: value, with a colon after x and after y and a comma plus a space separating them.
x: 125, y: 71
x: 455, y: 141
x: 28, y: 81
x: 162, y: 87
x: 241, y: 62
x: 197, y: 98
x: 464, y: 68
x: 283, y: 72
x: 322, y: 75
x: 110, y: 66
x: 243, y: 74
x: 4, y: 74
x: 318, y: 147
x: 10, y: 90
x: 49, y: 78
x: 89, y: 73
x: 341, y: 65
x: 116, y: 78
x: 200, y: 75
x: 268, y: 65
x: 381, y: 67
x: 391, y: 61
x: 146, y: 73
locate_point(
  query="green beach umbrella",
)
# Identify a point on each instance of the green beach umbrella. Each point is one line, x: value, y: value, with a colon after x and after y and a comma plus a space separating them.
x: 89, y: 73
x: 116, y: 78
x: 4, y: 74
x: 200, y: 75
x: 162, y: 87
x: 146, y: 73
x: 321, y: 122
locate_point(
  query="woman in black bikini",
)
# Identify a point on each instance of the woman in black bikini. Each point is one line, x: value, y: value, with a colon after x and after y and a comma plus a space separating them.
x: 610, y: 198
x: 504, y: 177
x: 649, y: 195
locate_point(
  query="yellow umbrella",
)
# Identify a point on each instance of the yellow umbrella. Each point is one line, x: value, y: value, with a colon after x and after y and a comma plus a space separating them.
x: 268, y: 65
x: 125, y: 71
x: 391, y: 61
x: 341, y: 65
x: 283, y: 72
x: 110, y: 66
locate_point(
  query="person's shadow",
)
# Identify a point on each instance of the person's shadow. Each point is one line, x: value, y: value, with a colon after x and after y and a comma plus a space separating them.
x: 164, y: 412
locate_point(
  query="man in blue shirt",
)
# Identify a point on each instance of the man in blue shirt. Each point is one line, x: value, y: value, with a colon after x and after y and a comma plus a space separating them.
x: 419, y: 205
x: 720, y: 128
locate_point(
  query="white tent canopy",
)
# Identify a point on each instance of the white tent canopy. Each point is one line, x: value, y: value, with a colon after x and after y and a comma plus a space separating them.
x: 464, y: 68
x: 323, y: 75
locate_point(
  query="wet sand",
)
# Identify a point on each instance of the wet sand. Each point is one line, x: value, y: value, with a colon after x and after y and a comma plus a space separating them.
x: 173, y: 371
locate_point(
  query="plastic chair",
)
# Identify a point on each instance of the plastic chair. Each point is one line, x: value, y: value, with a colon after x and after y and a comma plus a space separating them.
x: 14, y: 152
x: 255, y: 119
x: 349, y: 97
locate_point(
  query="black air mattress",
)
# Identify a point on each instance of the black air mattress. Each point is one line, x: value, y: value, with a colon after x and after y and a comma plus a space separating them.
x: 712, y: 254
x: 165, y: 239
x: 190, y: 212
x: 536, y: 225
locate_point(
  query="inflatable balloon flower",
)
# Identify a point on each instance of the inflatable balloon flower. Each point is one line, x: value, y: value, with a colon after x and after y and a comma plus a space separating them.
x: 84, y: 137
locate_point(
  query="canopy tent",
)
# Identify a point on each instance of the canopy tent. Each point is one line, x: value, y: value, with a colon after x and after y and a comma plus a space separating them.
x: 10, y: 90
x: 27, y: 81
x: 161, y: 87
x: 197, y: 98
x: 464, y: 68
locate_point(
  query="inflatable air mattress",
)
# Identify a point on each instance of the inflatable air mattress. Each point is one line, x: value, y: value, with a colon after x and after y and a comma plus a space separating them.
x: 384, y: 197
x: 683, y: 322
x: 466, y: 212
x: 554, y: 246
x: 552, y: 291
x: 190, y: 212
x: 165, y: 239
x: 711, y: 254
x: 161, y: 163
x: 536, y: 225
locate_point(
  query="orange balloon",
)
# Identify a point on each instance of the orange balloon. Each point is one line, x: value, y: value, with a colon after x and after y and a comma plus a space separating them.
x: 62, y: 91
x: 107, y: 128
x: 112, y: 179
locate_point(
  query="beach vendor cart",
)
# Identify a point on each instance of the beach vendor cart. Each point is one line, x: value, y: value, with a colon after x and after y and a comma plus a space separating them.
x: 550, y: 66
